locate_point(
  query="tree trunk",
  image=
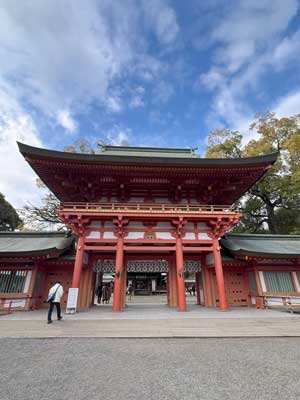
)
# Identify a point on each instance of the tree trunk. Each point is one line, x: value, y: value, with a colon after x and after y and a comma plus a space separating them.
x: 271, y: 217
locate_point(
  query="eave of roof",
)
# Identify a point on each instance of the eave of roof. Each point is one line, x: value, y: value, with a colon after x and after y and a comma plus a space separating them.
x: 26, y: 244
x: 35, y: 152
x: 260, y: 245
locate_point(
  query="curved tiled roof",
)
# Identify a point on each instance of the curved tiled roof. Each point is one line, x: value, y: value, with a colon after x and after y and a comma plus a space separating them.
x: 145, y: 157
x: 33, y: 243
x: 262, y: 245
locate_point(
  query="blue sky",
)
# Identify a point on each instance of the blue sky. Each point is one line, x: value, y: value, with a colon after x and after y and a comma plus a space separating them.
x: 139, y: 72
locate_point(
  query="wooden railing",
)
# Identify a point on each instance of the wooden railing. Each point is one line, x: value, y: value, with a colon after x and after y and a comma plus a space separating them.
x: 146, y: 207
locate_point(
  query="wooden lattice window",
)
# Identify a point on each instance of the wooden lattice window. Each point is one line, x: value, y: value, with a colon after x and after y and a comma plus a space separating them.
x: 12, y: 281
x: 279, y: 281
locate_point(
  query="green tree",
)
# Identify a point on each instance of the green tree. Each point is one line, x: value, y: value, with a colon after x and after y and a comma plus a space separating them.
x: 273, y: 204
x: 9, y: 218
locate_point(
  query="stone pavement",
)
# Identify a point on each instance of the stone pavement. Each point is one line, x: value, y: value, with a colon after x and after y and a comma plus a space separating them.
x: 153, y: 320
x: 150, y: 369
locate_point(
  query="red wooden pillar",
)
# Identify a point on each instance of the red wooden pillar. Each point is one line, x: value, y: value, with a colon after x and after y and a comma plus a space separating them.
x: 118, y: 274
x: 78, y: 263
x: 124, y: 286
x: 181, y: 301
x: 172, y: 284
x: 197, y: 288
x: 219, y: 275
x: 206, y: 283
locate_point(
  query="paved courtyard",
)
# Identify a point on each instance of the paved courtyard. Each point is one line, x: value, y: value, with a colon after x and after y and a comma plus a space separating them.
x: 150, y: 369
x: 153, y: 320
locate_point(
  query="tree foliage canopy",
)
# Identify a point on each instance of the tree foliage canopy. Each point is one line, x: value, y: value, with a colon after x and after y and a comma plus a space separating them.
x: 9, y: 218
x: 273, y: 204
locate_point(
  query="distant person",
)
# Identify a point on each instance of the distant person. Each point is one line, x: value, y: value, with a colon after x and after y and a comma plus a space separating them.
x: 54, y: 297
x: 129, y: 291
x: 106, y: 294
x: 99, y: 293
x: 109, y: 292
x: 194, y: 289
x: 190, y: 290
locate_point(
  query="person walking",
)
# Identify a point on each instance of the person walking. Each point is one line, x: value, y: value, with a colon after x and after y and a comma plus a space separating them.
x: 99, y: 293
x: 109, y: 291
x: 54, y: 297
x: 104, y: 294
x: 129, y: 291
x: 194, y: 289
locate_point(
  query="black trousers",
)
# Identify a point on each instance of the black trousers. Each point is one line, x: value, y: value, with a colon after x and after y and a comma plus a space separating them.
x: 58, y: 310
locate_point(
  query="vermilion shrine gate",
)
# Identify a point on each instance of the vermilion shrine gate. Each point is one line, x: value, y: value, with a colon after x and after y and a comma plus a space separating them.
x: 146, y: 209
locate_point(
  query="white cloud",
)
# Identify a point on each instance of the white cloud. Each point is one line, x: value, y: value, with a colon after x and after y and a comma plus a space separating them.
x: 288, y: 105
x: 65, y: 119
x: 17, y: 180
x: 137, y: 100
x: 163, y: 91
x: 286, y: 51
x: 113, y: 103
x: 65, y: 55
x: 249, y: 27
x: 248, y: 45
x: 119, y: 136
x: 162, y: 19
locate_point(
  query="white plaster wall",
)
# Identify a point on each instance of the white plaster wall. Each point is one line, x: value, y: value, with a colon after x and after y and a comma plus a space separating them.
x: 109, y: 235
x: 14, y: 303
x: 295, y: 276
x: 27, y: 282
x: 262, y: 281
x: 135, y: 235
x: 253, y: 300
x: 203, y: 236
x: 189, y: 236
x: 295, y: 301
x: 164, y: 235
x: 93, y: 235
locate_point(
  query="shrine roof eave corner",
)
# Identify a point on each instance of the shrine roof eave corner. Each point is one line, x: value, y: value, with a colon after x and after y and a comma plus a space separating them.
x: 260, y: 245
x: 16, y: 244
x: 39, y: 153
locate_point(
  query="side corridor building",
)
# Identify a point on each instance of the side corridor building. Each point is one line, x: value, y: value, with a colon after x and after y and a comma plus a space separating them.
x: 149, y: 216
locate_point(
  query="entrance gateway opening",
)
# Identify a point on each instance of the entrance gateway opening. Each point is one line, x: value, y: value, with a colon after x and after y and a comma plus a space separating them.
x: 149, y: 281
x: 146, y: 212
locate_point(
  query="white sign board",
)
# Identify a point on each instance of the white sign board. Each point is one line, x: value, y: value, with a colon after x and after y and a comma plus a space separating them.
x: 72, y: 298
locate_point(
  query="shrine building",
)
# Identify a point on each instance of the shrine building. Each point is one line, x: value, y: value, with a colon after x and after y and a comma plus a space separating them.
x: 148, y: 216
